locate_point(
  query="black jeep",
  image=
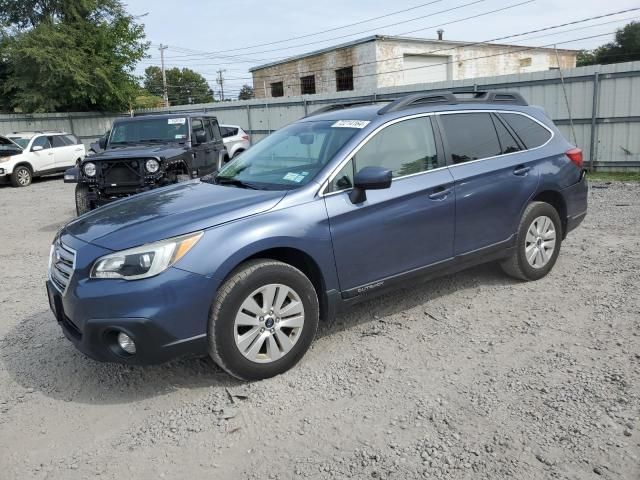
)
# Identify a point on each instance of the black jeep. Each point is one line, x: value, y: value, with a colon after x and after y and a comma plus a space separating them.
x: 146, y: 152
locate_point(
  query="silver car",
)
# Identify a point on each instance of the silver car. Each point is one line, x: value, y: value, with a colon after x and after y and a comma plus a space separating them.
x: 236, y: 140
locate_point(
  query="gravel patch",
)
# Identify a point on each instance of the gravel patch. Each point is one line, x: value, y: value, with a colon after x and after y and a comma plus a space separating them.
x: 470, y: 376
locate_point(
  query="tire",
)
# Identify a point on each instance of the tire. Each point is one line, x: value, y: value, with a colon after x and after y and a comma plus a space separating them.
x: 238, y: 152
x: 21, y: 176
x: 266, y: 354
x: 83, y: 205
x: 534, y: 240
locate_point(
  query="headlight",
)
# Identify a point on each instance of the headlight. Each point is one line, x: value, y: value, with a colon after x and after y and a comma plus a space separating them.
x: 144, y: 261
x: 89, y: 169
x: 152, y: 165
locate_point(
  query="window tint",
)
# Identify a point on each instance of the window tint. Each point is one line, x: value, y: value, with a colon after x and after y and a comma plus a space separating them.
x: 228, y: 131
x: 404, y: 148
x: 508, y: 144
x: 70, y: 139
x: 471, y: 136
x: 531, y: 133
x: 56, y: 141
x: 344, y: 179
x: 41, y: 142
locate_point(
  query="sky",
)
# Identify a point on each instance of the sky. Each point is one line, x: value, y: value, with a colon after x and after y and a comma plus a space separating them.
x: 207, y: 35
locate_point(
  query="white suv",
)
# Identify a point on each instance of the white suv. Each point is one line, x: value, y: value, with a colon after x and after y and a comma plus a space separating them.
x: 236, y: 140
x: 25, y: 155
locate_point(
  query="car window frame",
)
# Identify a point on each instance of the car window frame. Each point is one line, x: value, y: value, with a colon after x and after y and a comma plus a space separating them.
x: 323, y: 191
x: 36, y: 137
x: 51, y: 137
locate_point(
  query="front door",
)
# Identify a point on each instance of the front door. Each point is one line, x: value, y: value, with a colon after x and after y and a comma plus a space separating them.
x: 405, y: 227
x: 204, y: 154
x: 42, y: 159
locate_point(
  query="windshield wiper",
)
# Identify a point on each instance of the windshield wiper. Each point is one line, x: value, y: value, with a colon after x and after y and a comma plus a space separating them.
x: 234, y: 182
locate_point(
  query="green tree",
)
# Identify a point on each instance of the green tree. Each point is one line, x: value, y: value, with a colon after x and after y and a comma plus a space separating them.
x: 184, y: 86
x: 246, y: 93
x: 625, y: 48
x: 63, y: 55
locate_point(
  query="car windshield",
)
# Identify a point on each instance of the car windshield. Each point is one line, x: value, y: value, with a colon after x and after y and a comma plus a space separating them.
x: 288, y: 158
x: 150, y: 130
x: 23, y: 142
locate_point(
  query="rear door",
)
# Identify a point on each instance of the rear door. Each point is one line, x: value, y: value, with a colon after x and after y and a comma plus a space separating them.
x: 217, y: 143
x: 64, y: 154
x: 494, y: 178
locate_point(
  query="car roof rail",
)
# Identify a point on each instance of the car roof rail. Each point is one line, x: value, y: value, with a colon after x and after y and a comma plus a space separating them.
x: 454, y: 98
x: 342, y: 106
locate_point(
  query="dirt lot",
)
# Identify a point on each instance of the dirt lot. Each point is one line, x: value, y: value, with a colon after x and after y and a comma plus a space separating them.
x: 471, y: 376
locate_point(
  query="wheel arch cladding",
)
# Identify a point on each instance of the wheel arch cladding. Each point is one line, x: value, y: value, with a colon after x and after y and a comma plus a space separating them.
x: 557, y: 201
x: 23, y: 163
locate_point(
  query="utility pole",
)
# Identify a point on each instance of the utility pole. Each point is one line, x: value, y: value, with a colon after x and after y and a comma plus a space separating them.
x: 220, y: 81
x: 165, y: 95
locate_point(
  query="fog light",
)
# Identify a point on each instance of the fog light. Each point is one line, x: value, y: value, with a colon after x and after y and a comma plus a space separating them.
x: 126, y: 343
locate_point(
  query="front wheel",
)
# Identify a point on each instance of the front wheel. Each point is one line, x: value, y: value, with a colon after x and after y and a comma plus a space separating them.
x: 83, y: 205
x: 263, y: 320
x: 537, y: 243
x: 21, y: 176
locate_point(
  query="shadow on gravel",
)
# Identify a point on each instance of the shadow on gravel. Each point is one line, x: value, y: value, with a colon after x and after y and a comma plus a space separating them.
x: 50, y: 178
x: 38, y: 356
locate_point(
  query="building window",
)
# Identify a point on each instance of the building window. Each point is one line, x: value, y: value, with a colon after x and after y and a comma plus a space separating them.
x: 308, y: 85
x: 344, y: 79
x: 277, y: 89
x: 525, y: 62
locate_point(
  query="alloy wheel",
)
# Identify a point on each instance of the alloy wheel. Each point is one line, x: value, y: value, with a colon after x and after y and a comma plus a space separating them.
x: 23, y: 177
x: 540, y: 242
x: 269, y: 323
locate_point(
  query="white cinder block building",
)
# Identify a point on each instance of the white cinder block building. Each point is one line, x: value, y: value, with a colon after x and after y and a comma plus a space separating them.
x: 383, y: 61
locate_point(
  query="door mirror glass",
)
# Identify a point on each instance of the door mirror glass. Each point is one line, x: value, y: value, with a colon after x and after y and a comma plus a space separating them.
x: 36, y: 148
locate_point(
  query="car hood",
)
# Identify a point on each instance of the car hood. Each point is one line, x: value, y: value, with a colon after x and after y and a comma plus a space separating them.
x: 168, y: 212
x: 161, y: 151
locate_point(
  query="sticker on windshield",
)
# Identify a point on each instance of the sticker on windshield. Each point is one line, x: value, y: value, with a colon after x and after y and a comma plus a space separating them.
x: 177, y: 121
x: 351, y: 124
x: 295, y: 177
x: 181, y: 135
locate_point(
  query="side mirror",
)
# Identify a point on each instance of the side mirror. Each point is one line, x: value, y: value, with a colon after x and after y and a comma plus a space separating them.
x: 37, y: 148
x: 369, y: 178
x: 103, y: 142
x: 71, y: 175
x: 201, y: 137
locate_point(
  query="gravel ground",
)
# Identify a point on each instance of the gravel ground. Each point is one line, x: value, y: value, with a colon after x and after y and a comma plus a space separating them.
x: 471, y: 376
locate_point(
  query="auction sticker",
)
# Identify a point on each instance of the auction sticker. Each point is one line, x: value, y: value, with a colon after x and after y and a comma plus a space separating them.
x: 351, y: 124
x: 177, y: 121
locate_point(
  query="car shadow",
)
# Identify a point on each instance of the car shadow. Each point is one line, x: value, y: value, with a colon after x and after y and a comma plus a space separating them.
x: 47, y: 178
x: 38, y: 356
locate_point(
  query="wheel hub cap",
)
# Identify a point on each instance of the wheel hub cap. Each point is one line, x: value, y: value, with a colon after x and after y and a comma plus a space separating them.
x: 269, y: 323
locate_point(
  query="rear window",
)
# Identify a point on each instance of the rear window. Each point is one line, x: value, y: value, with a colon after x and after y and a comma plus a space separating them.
x: 531, y: 133
x: 228, y: 131
x: 57, y: 141
x: 471, y: 136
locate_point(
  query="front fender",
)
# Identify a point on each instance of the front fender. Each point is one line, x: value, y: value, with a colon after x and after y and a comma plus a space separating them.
x: 302, y: 227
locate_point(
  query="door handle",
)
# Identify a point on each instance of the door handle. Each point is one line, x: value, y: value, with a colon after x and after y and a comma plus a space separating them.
x: 521, y: 170
x: 440, y: 193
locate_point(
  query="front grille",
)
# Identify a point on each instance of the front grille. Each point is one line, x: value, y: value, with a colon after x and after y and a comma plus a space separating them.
x: 62, y: 264
x: 122, y: 172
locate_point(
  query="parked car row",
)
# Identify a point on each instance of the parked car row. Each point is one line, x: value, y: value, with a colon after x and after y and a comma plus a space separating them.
x: 323, y: 213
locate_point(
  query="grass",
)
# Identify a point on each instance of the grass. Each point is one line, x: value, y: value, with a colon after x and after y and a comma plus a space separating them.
x: 614, y: 176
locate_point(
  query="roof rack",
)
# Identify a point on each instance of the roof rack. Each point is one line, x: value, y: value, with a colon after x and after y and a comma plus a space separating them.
x: 38, y: 131
x: 341, y: 106
x: 451, y: 98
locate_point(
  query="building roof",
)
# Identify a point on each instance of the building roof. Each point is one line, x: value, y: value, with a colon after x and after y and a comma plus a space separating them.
x: 375, y: 38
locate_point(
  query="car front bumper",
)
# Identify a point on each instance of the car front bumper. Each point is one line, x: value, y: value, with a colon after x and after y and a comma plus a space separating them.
x: 166, y: 315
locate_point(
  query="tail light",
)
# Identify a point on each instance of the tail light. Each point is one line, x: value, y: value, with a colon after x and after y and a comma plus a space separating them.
x: 575, y: 155
x: 245, y: 137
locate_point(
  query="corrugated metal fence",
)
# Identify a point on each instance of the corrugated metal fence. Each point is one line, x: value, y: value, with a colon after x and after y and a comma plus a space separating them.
x: 596, y: 107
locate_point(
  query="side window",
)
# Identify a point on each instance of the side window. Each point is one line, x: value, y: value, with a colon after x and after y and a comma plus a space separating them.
x: 215, y: 128
x: 471, y: 136
x: 405, y: 148
x: 41, y: 142
x: 69, y: 140
x: 197, y: 126
x: 344, y: 179
x: 508, y: 144
x: 57, y: 141
x: 531, y: 133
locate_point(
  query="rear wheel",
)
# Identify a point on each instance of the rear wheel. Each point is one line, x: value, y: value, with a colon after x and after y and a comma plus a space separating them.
x: 21, y: 176
x: 537, y: 244
x: 83, y: 205
x: 263, y: 320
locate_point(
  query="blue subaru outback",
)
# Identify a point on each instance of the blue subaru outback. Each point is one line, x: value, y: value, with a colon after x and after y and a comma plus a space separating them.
x: 330, y: 210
